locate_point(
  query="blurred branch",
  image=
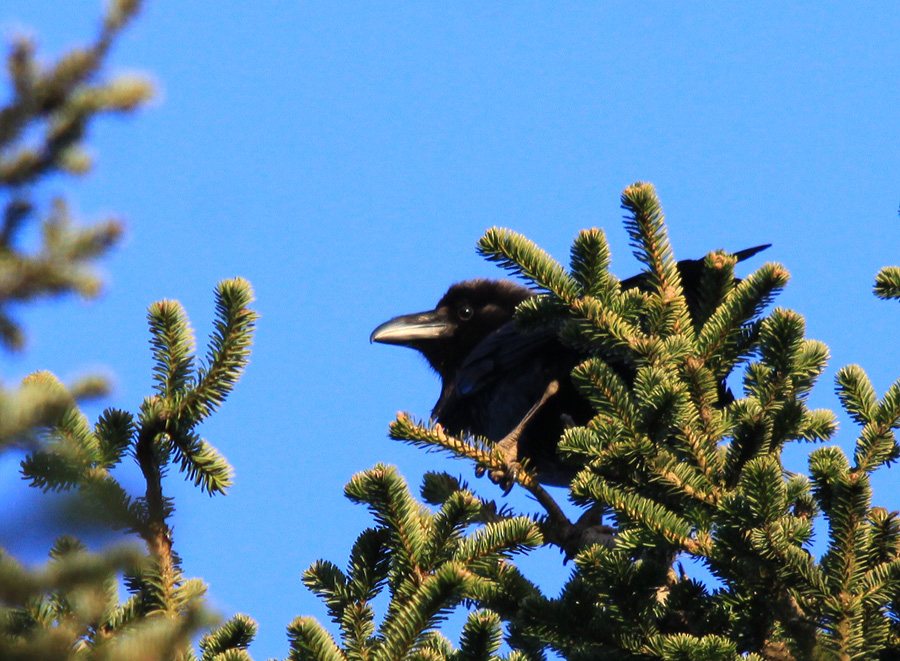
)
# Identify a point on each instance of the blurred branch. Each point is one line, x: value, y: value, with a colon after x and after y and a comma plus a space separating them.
x: 42, y: 131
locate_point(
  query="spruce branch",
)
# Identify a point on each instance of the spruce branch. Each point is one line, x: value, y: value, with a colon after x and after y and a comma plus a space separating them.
x: 326, y: 580
x: 229, y: 348
x: 233, y: 636
x: 487, y: 458
x: 651, y: 516
x: 889, y: 410
x: 385, y: 493
x: 517, y: 254
x: 369, y: 565
x: 202, y: 463
x: 716, y: 282
x: 589, y: 263
x: 498, y: 540
x: 607, y: 325
x: 42, y: 130
x: 481, y: 637
x: 311, y: 642
x: 449, y: 523
x: 406, y: 621
x: 649, y: 238
x: 437, y: 488
x: 80, y: 456
x: 71, y: 606
x: 406, y: 429
x: 722, y: 336
x: 687, y: 482
x: 606, y: 390
x: 347, y: 596
x: 154, y: 528
x: 186, y: 394
x: 71, y: 566
x: 684, y: 646
x: 114, y: 431
x: 172, y: 347
x: 877, y: 443
x: 539, y: 312
x: 428, y: 560
x: 35, y: 404
x: 781, y: 342
x: 646, y: 228
x: 887, y: 282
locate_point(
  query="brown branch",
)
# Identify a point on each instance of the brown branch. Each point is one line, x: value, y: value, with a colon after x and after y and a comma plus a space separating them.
x: 156, y: 531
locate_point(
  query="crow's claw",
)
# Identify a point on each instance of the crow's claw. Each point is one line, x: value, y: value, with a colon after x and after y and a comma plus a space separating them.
x: 506, y: 478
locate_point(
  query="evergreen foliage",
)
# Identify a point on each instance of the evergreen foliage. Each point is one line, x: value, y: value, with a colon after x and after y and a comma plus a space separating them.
x: 670, y: 469
x: 681, y: 476
x: 164, y: 608
x: 430, y: 564
x: 887, y: 282
x: 42, y: 129
x: 57, y: 103
x: 71, y: 609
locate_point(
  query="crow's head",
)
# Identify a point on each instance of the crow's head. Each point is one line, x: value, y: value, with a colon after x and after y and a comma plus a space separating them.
x: 465, y: 315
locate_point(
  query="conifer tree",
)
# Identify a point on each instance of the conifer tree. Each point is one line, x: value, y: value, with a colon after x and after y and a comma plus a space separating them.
x: 678, y: 475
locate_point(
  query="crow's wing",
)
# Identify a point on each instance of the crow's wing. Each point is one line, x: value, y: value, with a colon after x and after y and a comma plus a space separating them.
x: 506, y: 349
x: 691, y: 270
x: 500, y: 380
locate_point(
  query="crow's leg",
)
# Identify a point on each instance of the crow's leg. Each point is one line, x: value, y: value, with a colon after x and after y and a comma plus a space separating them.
x: 509, y: 444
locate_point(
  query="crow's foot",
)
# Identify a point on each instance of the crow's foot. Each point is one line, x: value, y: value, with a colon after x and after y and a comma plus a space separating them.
x: 572, y: 538
x: 509, y: 450
x: 508, y: 446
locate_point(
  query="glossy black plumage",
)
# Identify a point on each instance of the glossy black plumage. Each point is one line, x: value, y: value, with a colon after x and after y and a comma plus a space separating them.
x: 493, y: 374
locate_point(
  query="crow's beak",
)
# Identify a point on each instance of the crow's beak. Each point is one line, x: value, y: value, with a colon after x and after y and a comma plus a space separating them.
x: 410, y: 329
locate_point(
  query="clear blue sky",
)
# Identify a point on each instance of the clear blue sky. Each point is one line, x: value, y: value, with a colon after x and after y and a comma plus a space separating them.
x: 345, y: 158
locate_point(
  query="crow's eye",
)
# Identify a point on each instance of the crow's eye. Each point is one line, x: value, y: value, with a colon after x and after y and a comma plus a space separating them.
x: 465, y: 312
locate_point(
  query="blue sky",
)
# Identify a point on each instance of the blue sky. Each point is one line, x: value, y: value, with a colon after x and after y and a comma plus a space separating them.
x: 345, y: 158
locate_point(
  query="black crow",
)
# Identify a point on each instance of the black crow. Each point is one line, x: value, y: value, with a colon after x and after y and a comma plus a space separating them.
x: 509, y: 386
